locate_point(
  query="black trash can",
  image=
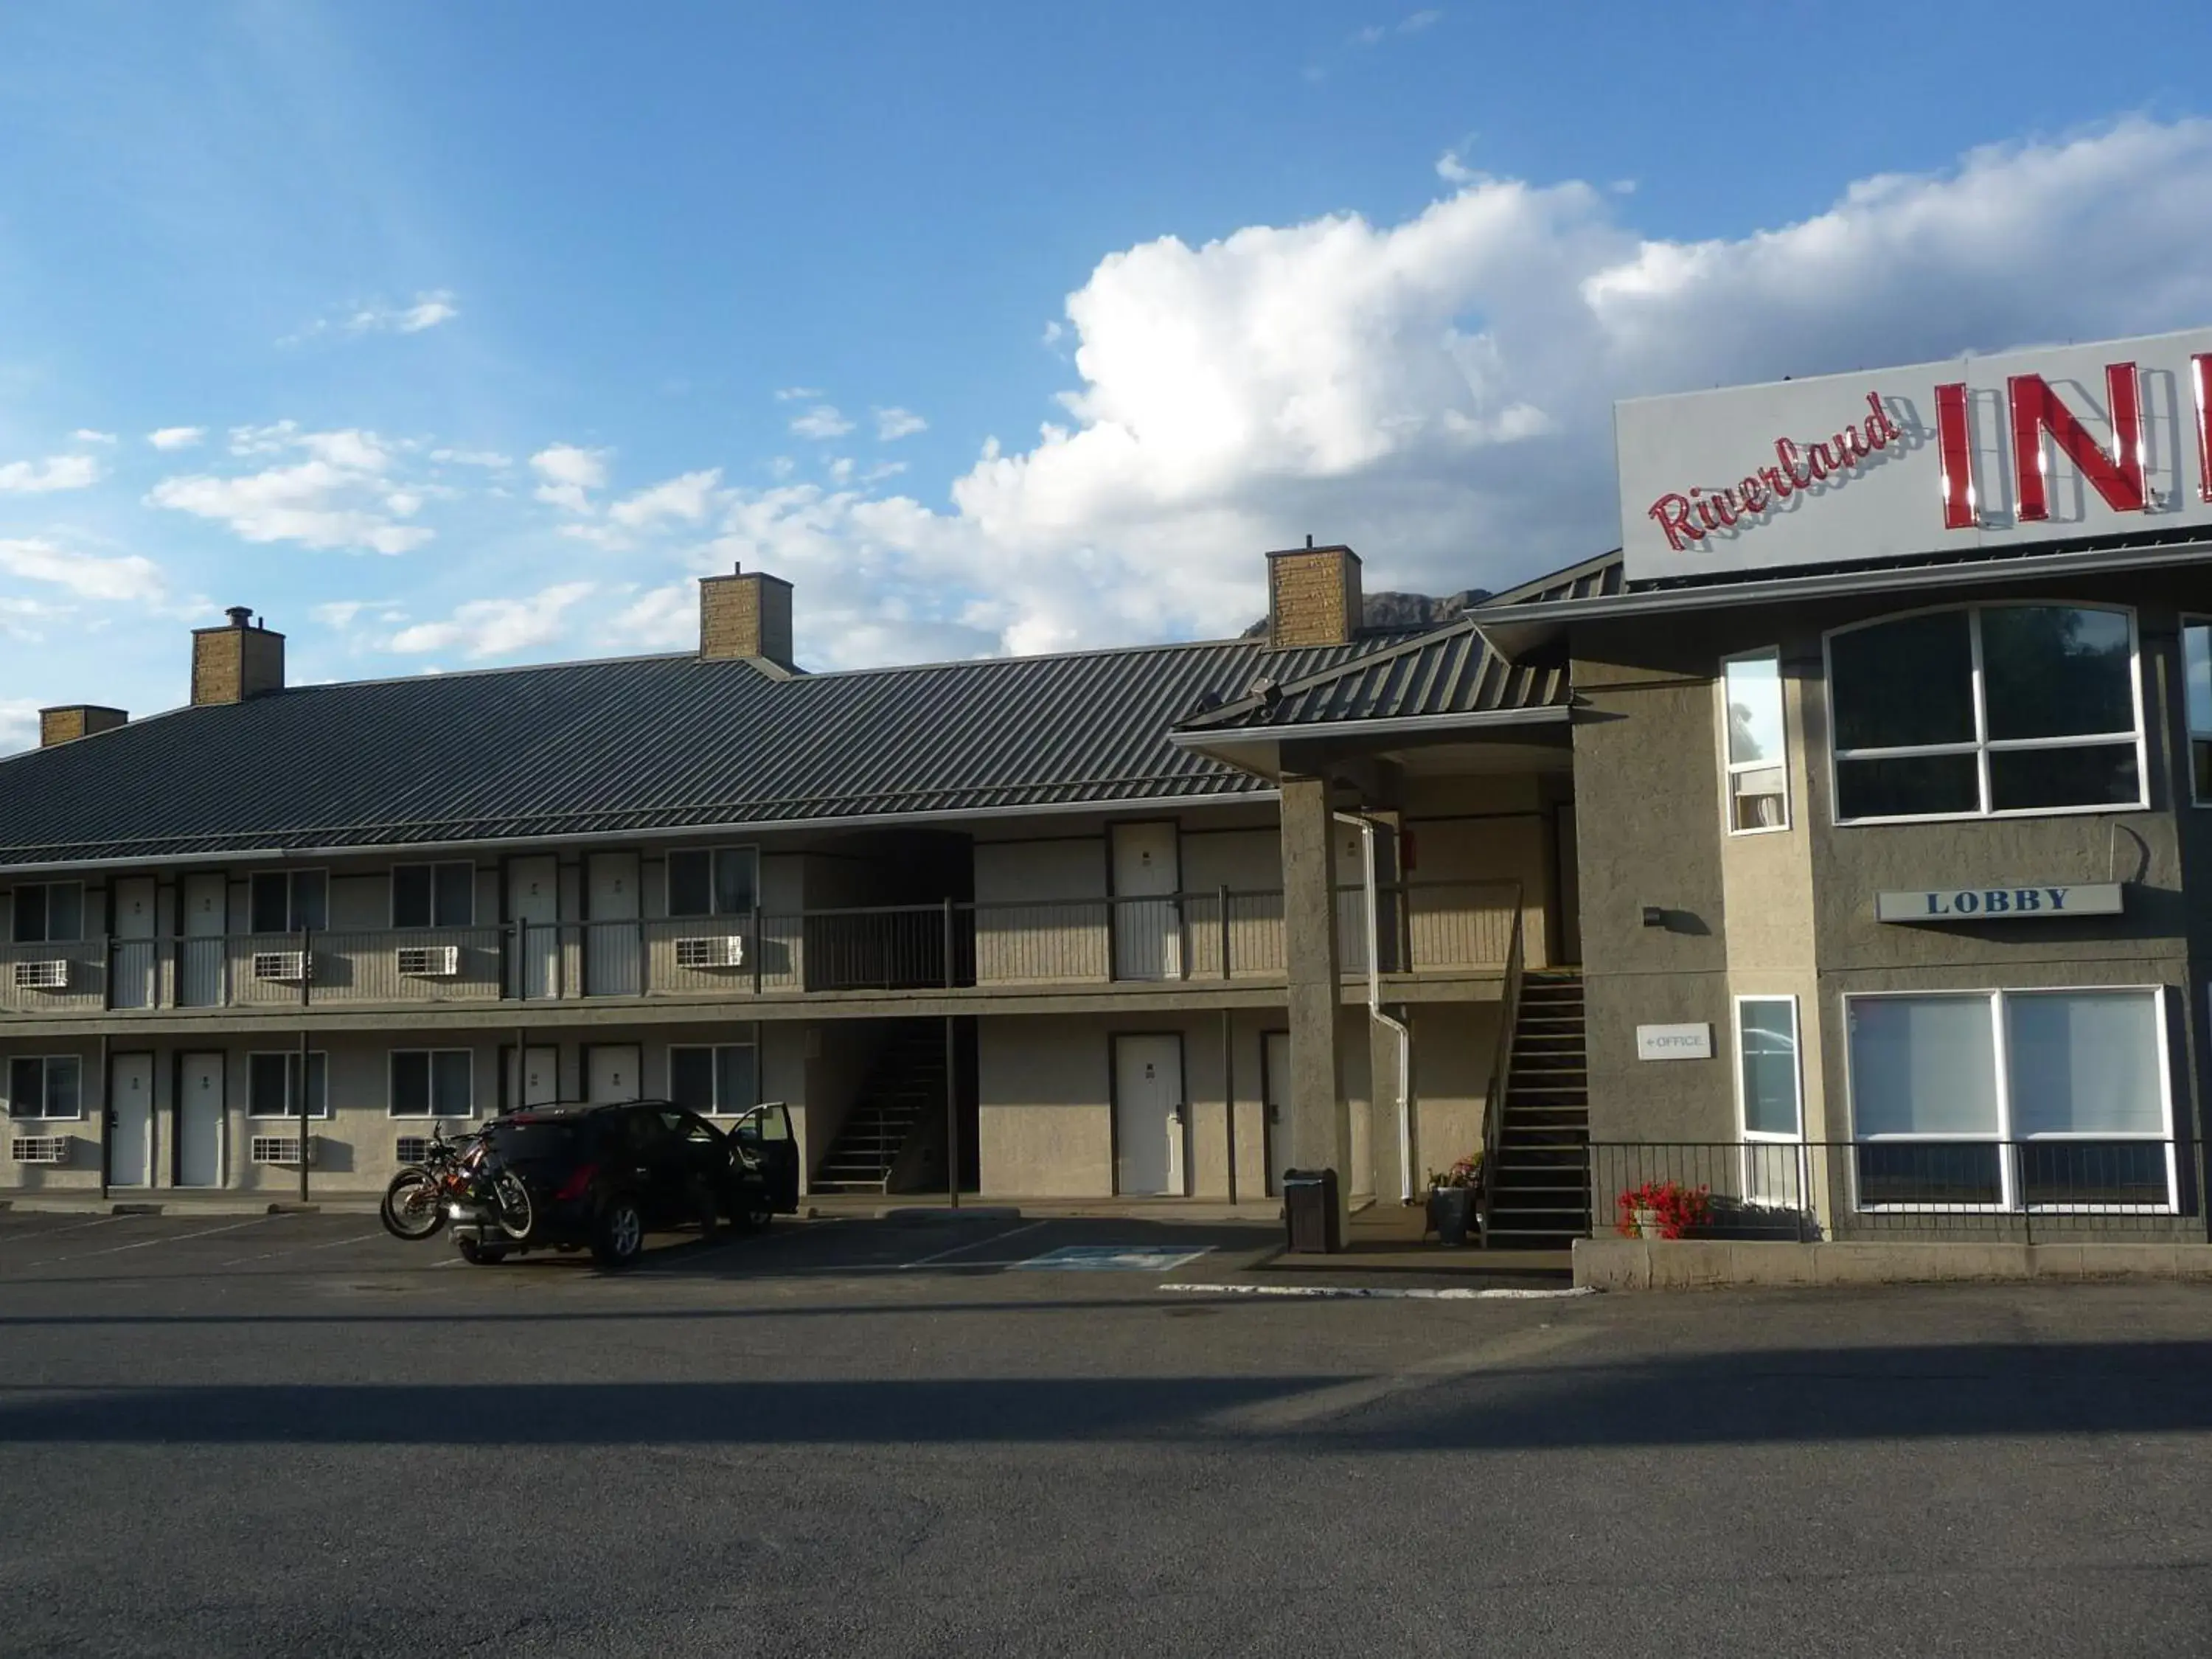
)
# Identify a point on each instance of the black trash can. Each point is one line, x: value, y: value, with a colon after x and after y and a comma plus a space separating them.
x: 1309, y: 1212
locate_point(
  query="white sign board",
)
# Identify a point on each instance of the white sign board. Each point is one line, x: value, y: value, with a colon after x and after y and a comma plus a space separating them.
x: 1673, y: 1042
x: 2013, y: 901
x: 1997, y: 452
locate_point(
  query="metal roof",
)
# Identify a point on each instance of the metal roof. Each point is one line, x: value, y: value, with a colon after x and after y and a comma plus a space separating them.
x: 1450, y: 673
x: 631, y: 746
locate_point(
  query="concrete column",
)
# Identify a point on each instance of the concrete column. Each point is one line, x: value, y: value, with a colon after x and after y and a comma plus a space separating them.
x: 1319, y: 1123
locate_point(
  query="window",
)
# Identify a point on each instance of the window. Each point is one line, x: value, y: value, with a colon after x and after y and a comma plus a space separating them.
x: 2011, y: 1099
x: 286, y: 901
x: 434, y: 1083
x: 1769, y: 1095
x: 49, y: 913
x: 720, y: 882
x: 721, y: 1081
x: 2196, y: 680
x: 1988, y: 710
x: 272, y: 1084
x: 46, y: 1085
x: 1754, y: 748
x: 434, y: 894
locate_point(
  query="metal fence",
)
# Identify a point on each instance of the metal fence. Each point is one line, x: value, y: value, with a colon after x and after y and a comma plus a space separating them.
x: 2051, y: 1188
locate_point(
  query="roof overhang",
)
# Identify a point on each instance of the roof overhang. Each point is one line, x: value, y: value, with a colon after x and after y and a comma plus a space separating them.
x: 1516, y: 631
x: 1263, y: 750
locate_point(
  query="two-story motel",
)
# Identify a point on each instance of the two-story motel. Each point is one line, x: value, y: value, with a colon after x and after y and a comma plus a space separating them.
x: 1830, y: 845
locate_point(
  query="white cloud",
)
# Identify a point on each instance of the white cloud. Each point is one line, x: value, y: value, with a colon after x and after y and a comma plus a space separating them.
x: 495, y: 628
x: 426, y: 310
x: 1439, y: 390
x: 339, y: 613
x: 1454, y: 171
x: 894, y: 424
x: 684, y: 498
x: 569, y: 473
x: 822, y: 422
x: 791, y: 394
x: 19, y: 724
x: 85, y: 575
x: 176, y: 437
x: 484, y: 458
x: 85, y: 434
x: 55, y: 472
x: 1375, y: 34
x: 342, y: 494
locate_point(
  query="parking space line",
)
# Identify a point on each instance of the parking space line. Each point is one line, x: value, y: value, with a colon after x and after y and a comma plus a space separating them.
x: 975, y: 1244
x: 301, y: 1249
x: 147, y: 1243
x: 74, y: 1226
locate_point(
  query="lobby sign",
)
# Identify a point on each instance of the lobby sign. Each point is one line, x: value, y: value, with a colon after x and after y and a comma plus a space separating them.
x: 1675, y: 1041
x: 2001, y: 452
x: 2014, y: 902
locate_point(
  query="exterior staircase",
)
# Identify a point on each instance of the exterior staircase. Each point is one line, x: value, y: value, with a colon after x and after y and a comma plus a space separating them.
x: 902, y: 1104
x: 1539, y: 1192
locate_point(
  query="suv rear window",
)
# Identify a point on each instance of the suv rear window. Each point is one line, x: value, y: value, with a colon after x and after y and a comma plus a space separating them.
x: 514, y: 1142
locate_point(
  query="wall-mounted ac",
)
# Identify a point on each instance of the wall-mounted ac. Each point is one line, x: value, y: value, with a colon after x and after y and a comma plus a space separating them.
x: 282, y: 1149
x: 40, y: 1149
x: 429, y: 961
x: 725, y: 951
x: 282, y: 967
x: 42, y: 975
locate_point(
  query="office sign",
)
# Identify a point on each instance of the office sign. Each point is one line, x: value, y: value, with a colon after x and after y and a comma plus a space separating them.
x: 1998, y: 453
x: 2014, y: 901
x: 1675, y: 1041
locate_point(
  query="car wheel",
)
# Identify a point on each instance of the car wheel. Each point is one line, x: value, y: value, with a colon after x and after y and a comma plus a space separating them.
x: 618, y: 1235
x: 481, y: 1256
x: 706, y: 1206
x: 754, y: 1210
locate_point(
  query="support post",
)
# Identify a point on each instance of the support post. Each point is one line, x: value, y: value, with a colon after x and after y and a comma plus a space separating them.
x: 108, y: 1112
x: 1224, y: 929
x: 951, y: 1103
x: 303, y: 1112
x: 1229, y: 1091
x: 949, y: 926
x: 1320, y: 1120
x: 756, y: 943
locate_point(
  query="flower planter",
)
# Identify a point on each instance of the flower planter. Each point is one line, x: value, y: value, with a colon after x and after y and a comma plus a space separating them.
x: 1451, y: 1213
x: 1647, y: 1224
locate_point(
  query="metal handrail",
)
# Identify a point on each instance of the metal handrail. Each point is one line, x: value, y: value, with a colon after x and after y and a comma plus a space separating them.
x: 1493, y: 1111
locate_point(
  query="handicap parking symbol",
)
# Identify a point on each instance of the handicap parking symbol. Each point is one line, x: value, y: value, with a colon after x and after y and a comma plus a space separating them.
x: 1114, y: 1258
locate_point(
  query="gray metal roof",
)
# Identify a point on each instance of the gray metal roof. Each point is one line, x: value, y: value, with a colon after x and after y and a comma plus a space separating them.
x: 1451, y: 672
x: 630, y: 745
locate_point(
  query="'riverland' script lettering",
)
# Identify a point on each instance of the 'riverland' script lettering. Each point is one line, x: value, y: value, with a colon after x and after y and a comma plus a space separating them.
x: 1687, y: 518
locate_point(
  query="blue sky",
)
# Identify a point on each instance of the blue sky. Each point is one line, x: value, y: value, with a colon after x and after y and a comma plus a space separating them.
x: 476, y: 333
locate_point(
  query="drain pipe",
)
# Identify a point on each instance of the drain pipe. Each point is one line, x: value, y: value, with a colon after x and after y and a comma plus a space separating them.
x: 1375, y: 1014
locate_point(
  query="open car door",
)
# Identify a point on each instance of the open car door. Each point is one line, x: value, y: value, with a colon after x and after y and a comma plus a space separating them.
x: 765, y: 1134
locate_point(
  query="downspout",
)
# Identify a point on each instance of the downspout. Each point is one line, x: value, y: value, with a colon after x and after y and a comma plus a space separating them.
x: 1375, y: 1014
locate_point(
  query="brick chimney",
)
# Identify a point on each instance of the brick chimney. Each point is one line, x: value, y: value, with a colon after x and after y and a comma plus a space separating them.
x: 238, y: 660
x: 747, y: 616
x: 1313, y: 596
x: 78, y: 720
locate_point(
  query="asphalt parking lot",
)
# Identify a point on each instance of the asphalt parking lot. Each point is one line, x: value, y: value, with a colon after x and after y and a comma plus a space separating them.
x: 290, y: 1434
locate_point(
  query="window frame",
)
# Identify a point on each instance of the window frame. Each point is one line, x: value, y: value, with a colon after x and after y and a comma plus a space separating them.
x: 436, y: 1112
x: 2189, y: 735
x: 1731, y: 770
x: 318, y: 1114
x: 1982, y: 745
x: 717, y: 1109
x: 46, y: 933
x: 16, y: 1115
x: 751, y: 849
x: 2009, y: 1196
x: 1749, y: 1137
x: 291, y: 878
x: 433, y: 865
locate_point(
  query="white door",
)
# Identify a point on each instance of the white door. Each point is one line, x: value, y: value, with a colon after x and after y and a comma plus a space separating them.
x: 199, y: 975
x: 1276, y: 1090
x: 613, y: 964
x: 131, y: 1121
x: 541, y: 1077
x: 1351, y: 926
x: 1148, y: 1116
x: 1147, y: 927
x: 130, y: 922
x: 533, y: 900
x: 612, y: 1074
x: 199, y: 1121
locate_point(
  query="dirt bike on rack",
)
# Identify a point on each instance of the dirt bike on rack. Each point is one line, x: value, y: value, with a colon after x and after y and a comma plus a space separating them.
x: 423, y: 1195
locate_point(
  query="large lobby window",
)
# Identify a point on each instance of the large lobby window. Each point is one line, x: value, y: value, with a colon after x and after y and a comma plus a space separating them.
x: 1757, y: 781
x: 2010, y: 1100
x: 2197, y: 679
x: 1984, y: 711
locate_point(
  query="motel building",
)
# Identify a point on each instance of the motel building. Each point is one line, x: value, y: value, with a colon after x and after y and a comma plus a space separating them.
x: 1832, y: 847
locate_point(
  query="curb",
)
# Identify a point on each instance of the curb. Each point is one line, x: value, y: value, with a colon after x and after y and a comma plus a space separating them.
x: 965, y: 1212
x: 1385, y: 1293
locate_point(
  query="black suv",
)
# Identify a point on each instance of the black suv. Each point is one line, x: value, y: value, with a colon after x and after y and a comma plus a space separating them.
x: 601, y: 1177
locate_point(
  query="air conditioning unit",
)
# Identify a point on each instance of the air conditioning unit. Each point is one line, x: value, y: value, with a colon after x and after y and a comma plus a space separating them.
x: 282, y: 1149
x: 282, y: 967
x: 429, y: 961
x: 728, y: 951
x: 42, y: 975
x: 411, y: 1149
x: 40, y: 1149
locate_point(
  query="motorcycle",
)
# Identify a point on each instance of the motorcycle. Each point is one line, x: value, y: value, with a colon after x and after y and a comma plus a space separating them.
x: 416, y: 1201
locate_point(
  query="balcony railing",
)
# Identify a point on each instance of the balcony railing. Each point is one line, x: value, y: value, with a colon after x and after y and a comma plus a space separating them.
x: 1226, y: 934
